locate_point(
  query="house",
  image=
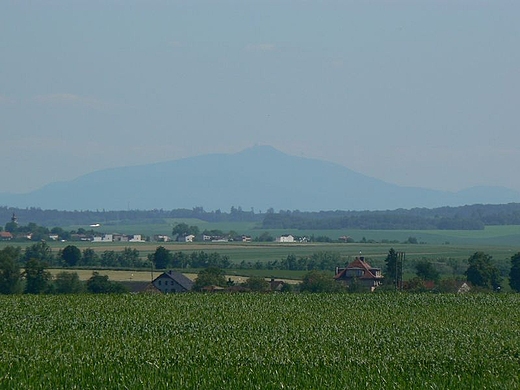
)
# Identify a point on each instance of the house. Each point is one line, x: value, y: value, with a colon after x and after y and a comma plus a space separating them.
x: 242, y: 238
x: 276, y: 285
x: 161, y: 238
x: 6, y: 236
x: 135, y: 238
x: 285, y: 238
x: 185, y: 238
x: 104, y: 238
x: 172, y: 282
x: 360, y: 271
x: 119, y: 237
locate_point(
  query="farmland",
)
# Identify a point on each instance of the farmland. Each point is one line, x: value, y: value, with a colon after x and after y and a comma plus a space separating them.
x: 450, y: 259
x: 267, y: 341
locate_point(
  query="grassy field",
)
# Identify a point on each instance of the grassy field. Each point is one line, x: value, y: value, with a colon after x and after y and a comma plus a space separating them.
x: 266, y: 341
x: 275, y: 251
x: 450, y: 259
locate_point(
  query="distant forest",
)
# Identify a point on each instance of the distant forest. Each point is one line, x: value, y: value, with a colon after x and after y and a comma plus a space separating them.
x: 473, y: 217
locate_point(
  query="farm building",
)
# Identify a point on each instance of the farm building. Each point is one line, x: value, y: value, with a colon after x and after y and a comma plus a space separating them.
x: 285, y: 238
x: 359, y: 270
x: 172, y: 282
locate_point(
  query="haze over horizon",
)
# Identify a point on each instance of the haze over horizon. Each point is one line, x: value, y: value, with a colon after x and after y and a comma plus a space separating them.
x: 420, y: 95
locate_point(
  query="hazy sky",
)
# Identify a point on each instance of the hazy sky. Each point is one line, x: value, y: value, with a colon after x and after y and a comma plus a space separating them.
x: 418, y: 93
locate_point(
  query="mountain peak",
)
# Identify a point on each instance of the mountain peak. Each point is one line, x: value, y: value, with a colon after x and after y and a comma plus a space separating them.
x: 260, y: 176
x: 259, y: 150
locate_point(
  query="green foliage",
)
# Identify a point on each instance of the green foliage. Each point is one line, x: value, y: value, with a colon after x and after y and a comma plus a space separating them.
x: 209, y: 277
x: 412, y: 240
x: 514, y: 274
x: 71, y: 255
x: 161, y: 258
x: 37, y: 278
x: 62, y: 234
x: 426, y: 271
x: 11, y: 227
x: 265, y: 237
x: 482, y: 272
x: 261, y: 341
x: 319, y: 282
x: 391, y: 267
x: 67, y: 283
x: 99, y: 284
x: 257, y: 283
x: 90, y: 257
x: 40, y: 251
x: 10, y: 282
x: 183, y: 229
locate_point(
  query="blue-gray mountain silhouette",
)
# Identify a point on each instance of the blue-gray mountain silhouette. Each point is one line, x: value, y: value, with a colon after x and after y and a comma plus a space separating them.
x: 259, y: 177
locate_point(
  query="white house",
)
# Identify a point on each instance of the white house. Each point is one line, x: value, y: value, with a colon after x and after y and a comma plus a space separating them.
x: 136, y: 238
x: 285, y: 238
x: 104, y: 238
x: 186, y: 238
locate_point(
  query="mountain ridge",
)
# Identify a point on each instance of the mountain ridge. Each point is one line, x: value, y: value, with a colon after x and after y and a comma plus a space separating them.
x: 259, y: 177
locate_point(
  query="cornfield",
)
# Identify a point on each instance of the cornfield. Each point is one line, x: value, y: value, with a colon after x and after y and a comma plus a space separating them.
x: 260, y: 341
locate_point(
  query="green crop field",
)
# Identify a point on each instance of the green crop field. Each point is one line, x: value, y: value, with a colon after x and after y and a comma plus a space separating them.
x: 267, y: 341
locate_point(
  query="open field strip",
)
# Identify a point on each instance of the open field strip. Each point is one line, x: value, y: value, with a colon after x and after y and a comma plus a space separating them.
x: 263, y: 252
x: 260, y: 341
x: 143, y: 276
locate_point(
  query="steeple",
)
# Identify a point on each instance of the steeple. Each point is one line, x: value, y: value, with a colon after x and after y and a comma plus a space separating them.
x: 14, y: 219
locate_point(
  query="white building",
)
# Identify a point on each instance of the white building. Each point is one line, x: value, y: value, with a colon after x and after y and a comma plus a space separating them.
x: 104, y: 238
x: 136, y: 238
x: 285, y: 238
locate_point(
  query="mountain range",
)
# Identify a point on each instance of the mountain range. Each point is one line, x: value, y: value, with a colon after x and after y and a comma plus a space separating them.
x: 260, y: 177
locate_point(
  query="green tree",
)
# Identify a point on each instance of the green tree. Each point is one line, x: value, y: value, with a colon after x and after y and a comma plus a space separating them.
x: 161, y: 258
x: 257, y: 283
x: 109, y: 259
x: 40, y: 251
x: 183, y: 228
x: 37, y: 278
x: 426, y: 271
x: 316, y: 282
x: 11, y: 227
x: 90, y: 257
x: 481, y: 271
x: 129, y: 257
x: 10, y: 278
x: 67, y: 283
x: 62, y: 234
x: 71, y: 255
x: 265, y: 237
x: 514, y: 274
x: 99, y: 284
x: 211, y: 276
x: 391, y: 266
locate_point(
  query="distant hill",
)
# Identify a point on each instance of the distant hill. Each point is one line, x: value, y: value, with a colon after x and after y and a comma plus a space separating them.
x: 260, y: 177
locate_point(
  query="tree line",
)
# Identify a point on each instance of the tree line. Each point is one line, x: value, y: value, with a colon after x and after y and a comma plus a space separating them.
x: 26, y: 270
x: 462, y: 217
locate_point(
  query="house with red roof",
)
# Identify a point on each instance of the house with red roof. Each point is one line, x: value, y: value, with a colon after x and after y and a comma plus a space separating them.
x: 361, y: 272
x: 6, y: 236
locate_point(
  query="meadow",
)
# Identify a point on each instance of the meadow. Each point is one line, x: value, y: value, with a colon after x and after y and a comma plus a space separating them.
x: 260, y: 341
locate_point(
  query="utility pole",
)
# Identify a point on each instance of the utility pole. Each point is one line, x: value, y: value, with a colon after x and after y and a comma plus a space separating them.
x: 401, y: 256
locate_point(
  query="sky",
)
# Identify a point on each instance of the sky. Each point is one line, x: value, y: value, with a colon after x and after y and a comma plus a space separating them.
x: 417, y: 93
